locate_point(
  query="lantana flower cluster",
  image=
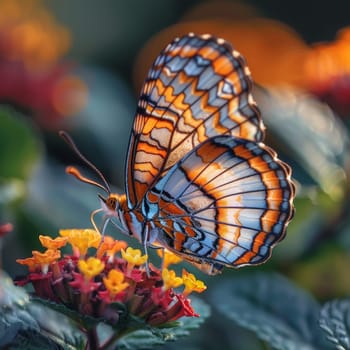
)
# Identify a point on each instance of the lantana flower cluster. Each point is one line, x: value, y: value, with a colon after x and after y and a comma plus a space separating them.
x: 92, y: 284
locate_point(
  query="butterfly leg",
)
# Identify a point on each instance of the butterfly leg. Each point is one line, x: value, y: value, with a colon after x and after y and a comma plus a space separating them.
x: 106, y: 221
x: 163, y: 252
x: 92, y: 216
x: 145, y: 235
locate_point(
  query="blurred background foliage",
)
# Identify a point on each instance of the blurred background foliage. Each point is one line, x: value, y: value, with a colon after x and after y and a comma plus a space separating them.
x: 79, y: 65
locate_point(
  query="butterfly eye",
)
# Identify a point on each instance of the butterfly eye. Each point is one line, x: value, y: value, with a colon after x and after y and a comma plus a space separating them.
x: 111, y: 203
x: 114, y: 201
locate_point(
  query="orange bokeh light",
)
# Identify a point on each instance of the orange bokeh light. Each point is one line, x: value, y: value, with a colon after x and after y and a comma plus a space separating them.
x: 70, y: 95
x: 30, y: 34
x: 275, y: 53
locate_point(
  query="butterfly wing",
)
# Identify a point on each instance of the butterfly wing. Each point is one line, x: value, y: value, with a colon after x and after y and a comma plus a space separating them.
x: 227, y: 202
x: 197, y: 88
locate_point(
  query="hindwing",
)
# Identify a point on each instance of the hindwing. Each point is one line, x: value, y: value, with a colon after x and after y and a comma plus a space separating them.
x: 226, y: 202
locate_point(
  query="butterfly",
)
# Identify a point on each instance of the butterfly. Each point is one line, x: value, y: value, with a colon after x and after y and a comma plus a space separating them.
x: 199, y: 180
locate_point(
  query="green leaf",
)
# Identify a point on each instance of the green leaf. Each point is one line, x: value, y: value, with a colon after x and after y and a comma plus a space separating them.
x: 335, y: 322
x: 140, y: 339
x: 11, y: 296
x: 326, y: 274
x: 57, y: 329
x: 86, y: 321
x: 27, y: 326
x: 295, y: 118
x: 19, y: 146
x: 152, y: 336
x: 303, y: 229
x: 18, y: 329
x: 19, y: 153
x: 272, y: 307
x: 11, y: 190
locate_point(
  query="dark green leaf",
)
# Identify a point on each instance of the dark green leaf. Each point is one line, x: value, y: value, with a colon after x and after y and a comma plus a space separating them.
x: 326, y: 274
x: 272, y: 307
x: 125, y: 320
x: 58, y: 329
x: 140, y: 339
x: 151, y: 336
x: 18, y: 328
x: 295, y: 118
x: 19, y: 146
x: 86, y: 321
x: 303, y: 229
x: 11, y: 296
x: 27, y: 326
x: 335, y: 322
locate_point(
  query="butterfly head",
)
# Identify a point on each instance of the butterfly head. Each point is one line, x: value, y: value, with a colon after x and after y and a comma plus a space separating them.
x: 114, y: 206
x: 113, y: 203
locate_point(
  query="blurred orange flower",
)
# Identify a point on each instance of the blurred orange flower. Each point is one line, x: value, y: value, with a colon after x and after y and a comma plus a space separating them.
x: 26, y: 28
x: 275, y: 52
x: 33, y: 77
x: 327, y: 71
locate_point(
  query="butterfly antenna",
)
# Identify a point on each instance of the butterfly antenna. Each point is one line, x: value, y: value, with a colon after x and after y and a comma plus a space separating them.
x: 75, y: 172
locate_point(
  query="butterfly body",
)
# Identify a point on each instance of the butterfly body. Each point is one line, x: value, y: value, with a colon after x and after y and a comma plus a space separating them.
x: 200, y: 181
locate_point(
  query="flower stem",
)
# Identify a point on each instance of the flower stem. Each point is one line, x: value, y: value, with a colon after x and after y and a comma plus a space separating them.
x: 115, y: 337
x: 92, y: 339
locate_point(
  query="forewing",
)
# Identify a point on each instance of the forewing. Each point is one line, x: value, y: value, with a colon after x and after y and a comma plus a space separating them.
x: 227, y: 202
x: 197, y: 88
